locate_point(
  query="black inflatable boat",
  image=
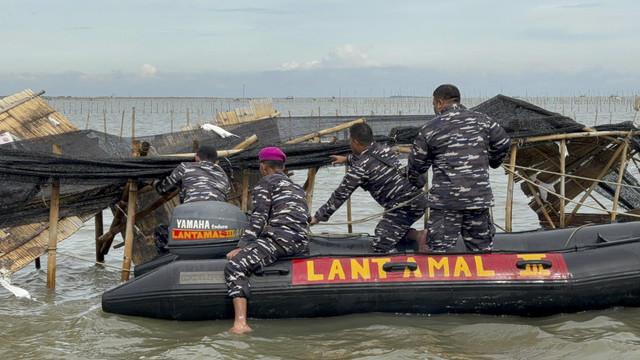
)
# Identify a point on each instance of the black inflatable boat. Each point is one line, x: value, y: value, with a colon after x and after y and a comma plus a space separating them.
x: 534, y: 273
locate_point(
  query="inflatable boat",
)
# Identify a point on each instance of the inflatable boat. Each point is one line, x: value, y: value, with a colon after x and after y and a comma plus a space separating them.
x: 535, y: 273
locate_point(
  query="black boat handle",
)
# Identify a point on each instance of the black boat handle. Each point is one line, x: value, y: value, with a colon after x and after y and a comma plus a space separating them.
x: 399, y: 266
x: 267, y: 271
x: 546, y: 264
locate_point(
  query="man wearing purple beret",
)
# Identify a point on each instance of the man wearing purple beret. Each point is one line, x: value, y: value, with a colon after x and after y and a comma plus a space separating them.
x: 278, y: 227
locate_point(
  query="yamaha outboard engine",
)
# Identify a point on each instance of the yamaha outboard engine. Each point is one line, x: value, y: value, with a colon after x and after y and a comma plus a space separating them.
x: 205, y: 229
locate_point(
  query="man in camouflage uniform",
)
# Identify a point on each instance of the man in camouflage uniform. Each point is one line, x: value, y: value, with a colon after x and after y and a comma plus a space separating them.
x: 201, y: 180
x: 460, y: 145
x: 376, y: 168
x: 277, y: 227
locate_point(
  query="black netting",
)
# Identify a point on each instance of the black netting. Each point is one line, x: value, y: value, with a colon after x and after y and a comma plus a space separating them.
x: 95, y: 166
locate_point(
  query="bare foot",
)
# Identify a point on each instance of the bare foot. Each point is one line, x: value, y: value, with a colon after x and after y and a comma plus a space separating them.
x: 240, y: 329
x: 422, y: 242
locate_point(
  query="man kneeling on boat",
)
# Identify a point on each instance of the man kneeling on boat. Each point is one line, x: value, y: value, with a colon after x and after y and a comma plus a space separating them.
x: 376, y: 168
x: 277, y: 227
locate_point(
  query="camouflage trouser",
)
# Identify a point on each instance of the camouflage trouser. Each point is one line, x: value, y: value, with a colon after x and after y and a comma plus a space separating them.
x: 445, y: 226
x: 161, y: 238
x: 258, y: 254
x: 395, y: 224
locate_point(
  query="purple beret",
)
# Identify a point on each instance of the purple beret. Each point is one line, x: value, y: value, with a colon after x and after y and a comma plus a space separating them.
x: 272, y: 153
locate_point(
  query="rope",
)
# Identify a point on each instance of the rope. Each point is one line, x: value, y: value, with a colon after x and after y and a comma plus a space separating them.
x: 126, y: 217
x: 93, y: 261
x: 568, y: 199
x: 506, y: 167
x: 371, y: 217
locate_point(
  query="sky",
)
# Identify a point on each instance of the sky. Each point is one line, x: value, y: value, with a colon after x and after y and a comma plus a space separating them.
x: 321, y: 48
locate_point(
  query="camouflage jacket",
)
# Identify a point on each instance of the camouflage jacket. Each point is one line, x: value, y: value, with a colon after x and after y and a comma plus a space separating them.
x: 198, y: 181
x: 383, y: 182
x: 460, y: 145
x: 280, y: 212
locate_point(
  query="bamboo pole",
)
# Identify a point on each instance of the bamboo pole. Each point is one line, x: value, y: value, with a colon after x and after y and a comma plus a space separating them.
x: 579, y: 135
x: 172, y: 121
x: 146, y: 211
x: 131, y: 221
x: 317, y: 134
x: 104, y: 119
x: 133, y: 122
x: 349, y: 225
x: 122, y: 123
x: 245, y: 190
x: 563, y: 153
x: 602, y: 173
x: 509, y: 206
x: 247, y: 142
x: 106, y: 239
x: 99, y: 231
x: 310, y: 185
x: 539, y: 201
x: 623, y: 165
x: 54, y: 211
x: 86, y: 127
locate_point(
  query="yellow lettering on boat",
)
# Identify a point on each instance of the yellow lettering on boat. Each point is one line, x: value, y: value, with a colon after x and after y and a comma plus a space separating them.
x: 336, y: 269
x: 480, y: 268
x: 461, y: 267
x: 381, y: 261
x: 407, y: 273
x: 311, y: 274
x: 361, y: 270
x: 534, y: 269
x: 437, y: 265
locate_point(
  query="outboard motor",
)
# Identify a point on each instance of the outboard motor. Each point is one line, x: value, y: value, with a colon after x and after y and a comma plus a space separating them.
x: 205, y: 229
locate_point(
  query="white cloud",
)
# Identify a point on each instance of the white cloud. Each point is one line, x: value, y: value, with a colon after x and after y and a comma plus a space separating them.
x: 349, y: 56
x: 341, y: 57
x: 148, y: 71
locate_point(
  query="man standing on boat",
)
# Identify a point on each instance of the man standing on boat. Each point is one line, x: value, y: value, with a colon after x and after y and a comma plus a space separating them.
x: 201, y: 180
x: 460, y: 145
x: 376, y: 168
x: 277, y: 227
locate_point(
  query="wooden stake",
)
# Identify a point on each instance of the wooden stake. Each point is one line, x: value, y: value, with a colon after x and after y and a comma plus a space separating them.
x: 311, y: 182
x: 245, y: 189
x: 99, y: 231
x: 133, y: 122
x: 563, y: 153
x: 509, y: 206
x: 104, y: 119
x: 54, y: 210
x: 131, y: 222
x: 623, y: 165
x: 122, y: 123
x: 349, y: 225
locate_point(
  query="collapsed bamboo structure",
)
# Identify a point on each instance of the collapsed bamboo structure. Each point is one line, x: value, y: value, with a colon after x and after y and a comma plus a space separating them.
x: 559, y: 172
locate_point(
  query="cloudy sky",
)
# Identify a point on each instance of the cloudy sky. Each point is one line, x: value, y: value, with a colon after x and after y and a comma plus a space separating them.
x: 321, y: 48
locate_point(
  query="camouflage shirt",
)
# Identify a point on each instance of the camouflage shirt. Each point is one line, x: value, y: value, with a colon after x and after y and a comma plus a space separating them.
x: 280, y: 212
x: 460, y: 144
x: 383, y: 182
x: 198, y: 181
